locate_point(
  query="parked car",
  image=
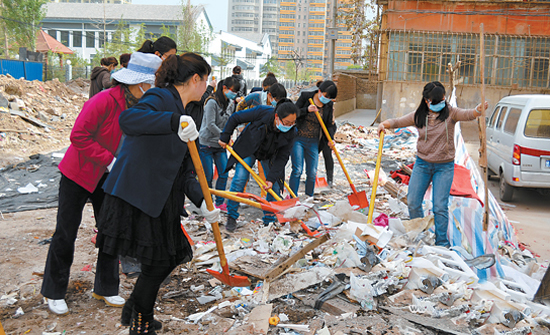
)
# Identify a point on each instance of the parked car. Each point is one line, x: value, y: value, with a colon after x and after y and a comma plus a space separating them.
x: 518, y: 143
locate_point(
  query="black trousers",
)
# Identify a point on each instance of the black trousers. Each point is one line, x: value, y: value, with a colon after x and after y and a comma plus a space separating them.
x: 329, y: 162
x: 72, y: 199
x: 147, y: 287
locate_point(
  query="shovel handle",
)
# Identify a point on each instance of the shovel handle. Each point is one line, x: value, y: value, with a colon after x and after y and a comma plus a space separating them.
x: 249, y: 169
x: 375, y: 181
x: 192, y: 147
x: 325, y: 130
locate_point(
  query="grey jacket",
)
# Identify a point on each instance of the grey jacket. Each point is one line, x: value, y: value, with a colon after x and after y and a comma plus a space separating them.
x: 213, y: 121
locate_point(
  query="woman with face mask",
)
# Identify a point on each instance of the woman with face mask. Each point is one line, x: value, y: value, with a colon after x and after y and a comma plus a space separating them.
x: 216, y: 113
x: 268, y: 138
x: 95, y: 142
x: 100, y: 79
x: 146, y: 189
x: 435, y: 121
x: 311, y: 139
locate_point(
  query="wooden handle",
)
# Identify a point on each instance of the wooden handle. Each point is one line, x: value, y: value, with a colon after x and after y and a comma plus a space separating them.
x: 334, y: 148
x: 375, y: 181
x: 249, y: 169
x: 192, y: 147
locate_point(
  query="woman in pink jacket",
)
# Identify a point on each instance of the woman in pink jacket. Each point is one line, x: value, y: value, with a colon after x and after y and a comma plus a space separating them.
x: 95, y: 140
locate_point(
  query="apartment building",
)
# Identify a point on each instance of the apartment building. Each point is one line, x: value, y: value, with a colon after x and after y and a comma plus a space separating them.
x: 303, y: 34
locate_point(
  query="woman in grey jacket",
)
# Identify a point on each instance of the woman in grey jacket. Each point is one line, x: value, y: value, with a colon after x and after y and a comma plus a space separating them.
x: 217, y: 111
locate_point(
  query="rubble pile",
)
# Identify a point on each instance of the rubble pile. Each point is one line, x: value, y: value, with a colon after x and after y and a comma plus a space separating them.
x: 37, y: 116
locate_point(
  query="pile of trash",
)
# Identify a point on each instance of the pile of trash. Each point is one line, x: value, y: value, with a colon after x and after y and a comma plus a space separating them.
x: 38, y: 116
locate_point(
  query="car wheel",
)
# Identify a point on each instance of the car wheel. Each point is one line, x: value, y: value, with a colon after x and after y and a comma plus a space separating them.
x: 506, y: 192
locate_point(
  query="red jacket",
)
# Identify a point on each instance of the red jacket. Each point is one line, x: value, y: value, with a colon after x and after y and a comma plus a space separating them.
x: 94, y: 139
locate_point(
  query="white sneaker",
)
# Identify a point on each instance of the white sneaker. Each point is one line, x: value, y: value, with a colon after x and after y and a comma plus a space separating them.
x: 57, y: 306
x: 114, y: 300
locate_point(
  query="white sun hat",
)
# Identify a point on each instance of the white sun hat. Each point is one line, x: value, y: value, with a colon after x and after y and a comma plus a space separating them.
x: 141, y: 69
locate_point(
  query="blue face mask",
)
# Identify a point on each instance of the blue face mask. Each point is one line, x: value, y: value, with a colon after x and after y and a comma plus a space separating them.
x: 273, y: 103
x: 437, y: 107
x: 231, y: 95
x: 283, y: 128
x: 324, y: 100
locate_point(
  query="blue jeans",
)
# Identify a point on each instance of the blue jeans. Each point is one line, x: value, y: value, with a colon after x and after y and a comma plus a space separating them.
x: 304, y: 149
x: 441, y: 174
x: 209, y: 156
x: 239, y: 182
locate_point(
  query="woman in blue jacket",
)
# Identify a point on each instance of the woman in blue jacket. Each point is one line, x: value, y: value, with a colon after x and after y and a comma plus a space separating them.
x: 268, y: 138
x: 146, y: 188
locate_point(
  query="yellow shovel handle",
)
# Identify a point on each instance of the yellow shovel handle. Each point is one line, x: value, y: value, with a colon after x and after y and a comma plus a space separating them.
x: 375, y: 181
x: 334, y: 148
x: 249, y: 169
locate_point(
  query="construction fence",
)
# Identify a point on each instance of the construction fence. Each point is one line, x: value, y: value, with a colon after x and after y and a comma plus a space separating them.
x: 514, y: 61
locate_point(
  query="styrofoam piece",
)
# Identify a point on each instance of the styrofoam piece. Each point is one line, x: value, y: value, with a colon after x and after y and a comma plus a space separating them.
x: 538, y: 310
x: 396, y: 226
x: 422, y: 268
x: 502, y: 303
x: 527, y: 283
x: 450, y: 262
x: 378, y: 235
x: 519, y: 293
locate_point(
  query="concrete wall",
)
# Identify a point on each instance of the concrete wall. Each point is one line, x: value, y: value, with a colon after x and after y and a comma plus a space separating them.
x: 400, y: 98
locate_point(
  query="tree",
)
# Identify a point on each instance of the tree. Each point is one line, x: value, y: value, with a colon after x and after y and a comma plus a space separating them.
x: 294, y: 68
x: 353, y: 14
x: 124, y: 40
x: 272, y: 65
x: 22, y: 18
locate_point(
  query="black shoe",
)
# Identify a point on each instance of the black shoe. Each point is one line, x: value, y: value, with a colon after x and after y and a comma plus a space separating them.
x: 329, y: 182
x: 231, y: 224
x: 126, y: 316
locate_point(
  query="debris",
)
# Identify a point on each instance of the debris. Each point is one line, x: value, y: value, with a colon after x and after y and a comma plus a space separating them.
x: 259, y: 317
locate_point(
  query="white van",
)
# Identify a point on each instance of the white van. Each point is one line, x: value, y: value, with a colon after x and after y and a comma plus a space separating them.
x: 518, y: 143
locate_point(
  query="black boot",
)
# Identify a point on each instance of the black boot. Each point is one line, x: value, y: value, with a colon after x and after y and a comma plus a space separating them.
x: 126, y: 316
x: 142, y: 324
x: 231, y: 224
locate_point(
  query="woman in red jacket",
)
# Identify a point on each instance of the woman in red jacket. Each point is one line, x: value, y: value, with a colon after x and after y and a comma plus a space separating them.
x: 95, y: 139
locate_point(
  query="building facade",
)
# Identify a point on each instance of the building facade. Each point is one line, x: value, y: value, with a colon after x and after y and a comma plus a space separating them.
x: 420, y: 38
x: 303, y: 36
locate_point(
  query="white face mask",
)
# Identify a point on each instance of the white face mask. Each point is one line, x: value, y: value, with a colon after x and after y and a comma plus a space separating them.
x: 141, y: 89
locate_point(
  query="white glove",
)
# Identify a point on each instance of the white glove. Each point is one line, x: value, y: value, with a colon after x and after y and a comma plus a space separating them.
x: 189, y: 133
x: 110, y: 166
x: 210, y: 216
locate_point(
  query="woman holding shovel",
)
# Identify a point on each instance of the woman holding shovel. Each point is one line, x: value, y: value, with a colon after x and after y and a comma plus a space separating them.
x: 268, y: 138
x: 435, y: 121
x: 146, y: 189
x: 310, y: 139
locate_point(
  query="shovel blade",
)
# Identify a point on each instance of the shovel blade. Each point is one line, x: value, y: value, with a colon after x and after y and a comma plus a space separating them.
x: 321, y: 184
x: 227, y: 279
x: 283, y: 205
x: 358, y: 199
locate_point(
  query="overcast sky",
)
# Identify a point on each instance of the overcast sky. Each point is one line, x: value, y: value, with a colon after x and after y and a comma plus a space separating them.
x: 216, y: 9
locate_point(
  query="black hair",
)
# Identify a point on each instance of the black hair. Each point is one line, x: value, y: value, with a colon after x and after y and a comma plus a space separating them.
x: 285, y: 107
x: 109, y: 61
x: 435, y: 93
x: 328, y: 87
x: 237, y: 70
x: 163, y: 44
x: 277, y: 91
x: 179, y: 69
x: 269, y: 80
x: 124, y: 59
x: 230, y: 83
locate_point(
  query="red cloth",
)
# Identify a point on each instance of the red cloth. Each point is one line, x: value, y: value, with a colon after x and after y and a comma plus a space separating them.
x: 462, y: 184
x: 94, y: 138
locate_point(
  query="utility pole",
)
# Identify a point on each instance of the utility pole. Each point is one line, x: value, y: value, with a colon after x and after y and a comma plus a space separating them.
x: 333, y: 38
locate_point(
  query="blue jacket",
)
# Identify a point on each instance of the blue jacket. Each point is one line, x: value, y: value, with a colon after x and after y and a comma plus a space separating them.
x: 261, y: 119
x: 152, y: 154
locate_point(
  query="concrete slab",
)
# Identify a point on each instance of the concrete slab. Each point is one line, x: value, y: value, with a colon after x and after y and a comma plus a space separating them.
x: 359, y: 117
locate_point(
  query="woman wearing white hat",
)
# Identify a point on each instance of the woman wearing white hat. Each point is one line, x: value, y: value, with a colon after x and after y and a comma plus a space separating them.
x: 95, y: 139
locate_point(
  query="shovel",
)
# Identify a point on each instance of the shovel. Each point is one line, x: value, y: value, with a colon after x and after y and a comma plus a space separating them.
x: 375, y: 181
x: 356, y: 198
x: 303, y: 225
x: 224, y: 276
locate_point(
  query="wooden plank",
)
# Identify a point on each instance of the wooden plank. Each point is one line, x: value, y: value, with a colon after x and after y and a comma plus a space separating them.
x: 282, y: 266
x: 483, y: 128
x: 251, y: 265
x: 441, y: 325
x: 334, y: 306
x: 259, y: 317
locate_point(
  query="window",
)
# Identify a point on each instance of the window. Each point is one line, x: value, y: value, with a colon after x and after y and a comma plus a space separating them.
x: 501, y: 117
x: 53, y: 33
x: 77, y: 39
x: 90, y: 39
x: 101, y: 39
x: 298, y: 25
x: 512, y: 120
x: 494, y: 117
x: 538, y: 123
x: 64, y: 37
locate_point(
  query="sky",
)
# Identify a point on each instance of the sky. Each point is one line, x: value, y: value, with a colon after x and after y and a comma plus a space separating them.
x: 216, y: 9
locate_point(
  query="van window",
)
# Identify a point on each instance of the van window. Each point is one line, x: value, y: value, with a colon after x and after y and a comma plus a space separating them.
x: 501, y: 117
x: 538, y: 123
x: 494, y: 116
x: 512, y: 120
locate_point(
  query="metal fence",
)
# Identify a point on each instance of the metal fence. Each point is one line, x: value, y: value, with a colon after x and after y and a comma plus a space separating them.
x: 21, y: 69
x: 521, y: 61
x: 66, y: 72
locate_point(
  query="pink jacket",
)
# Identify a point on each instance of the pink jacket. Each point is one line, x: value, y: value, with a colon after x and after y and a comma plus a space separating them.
x: 94, y: 139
